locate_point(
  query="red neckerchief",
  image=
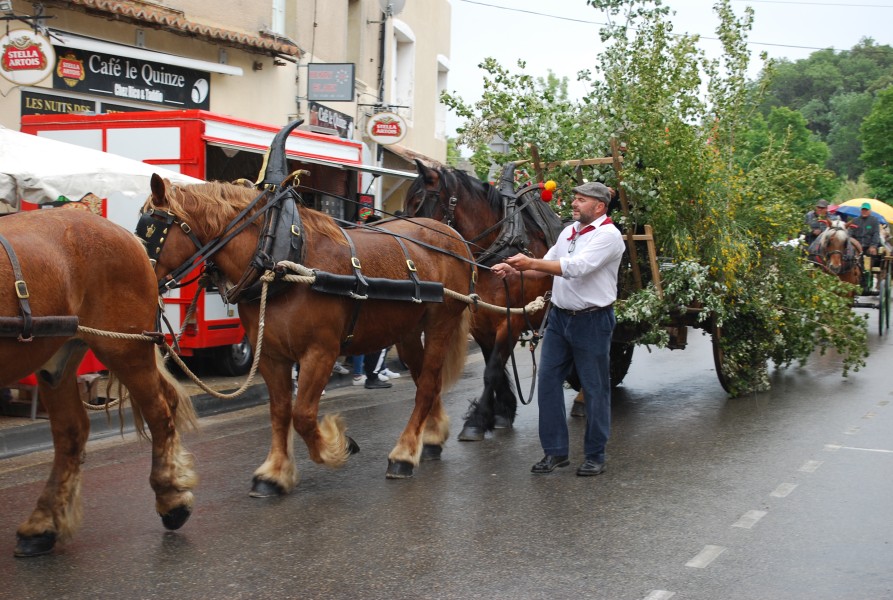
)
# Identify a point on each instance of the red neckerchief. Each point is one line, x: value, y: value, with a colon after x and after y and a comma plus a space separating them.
x: 575, y: 234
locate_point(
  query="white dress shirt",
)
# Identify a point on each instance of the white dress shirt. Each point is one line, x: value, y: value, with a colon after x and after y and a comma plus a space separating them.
x: 588, y: 266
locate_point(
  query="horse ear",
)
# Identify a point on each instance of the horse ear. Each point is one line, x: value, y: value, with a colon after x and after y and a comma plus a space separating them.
x: 159, y: 189
x: 424, y: 172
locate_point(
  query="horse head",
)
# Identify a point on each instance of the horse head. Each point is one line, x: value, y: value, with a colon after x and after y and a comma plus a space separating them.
x: 836, y: 249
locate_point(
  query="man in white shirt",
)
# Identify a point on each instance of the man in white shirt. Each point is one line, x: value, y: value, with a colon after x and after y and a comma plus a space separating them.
x: 584, y: 263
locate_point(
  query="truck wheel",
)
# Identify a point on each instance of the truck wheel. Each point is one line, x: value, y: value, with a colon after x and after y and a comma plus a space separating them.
x: 235, y: 359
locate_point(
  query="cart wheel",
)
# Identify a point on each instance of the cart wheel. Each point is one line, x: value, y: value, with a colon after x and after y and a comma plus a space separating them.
x: 621, y: 357
x: 887, y: 297
x: 236, y: 359
x: 718, y: 358
x: 883, y: 304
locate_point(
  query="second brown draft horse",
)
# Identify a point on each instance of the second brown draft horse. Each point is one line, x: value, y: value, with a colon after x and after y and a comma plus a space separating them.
x: 61, y: 269
x: 312, y: 325
x: 497, y: 222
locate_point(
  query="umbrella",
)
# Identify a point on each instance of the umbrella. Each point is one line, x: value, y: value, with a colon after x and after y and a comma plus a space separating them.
x: 39, y: 170
x: 881, y: 210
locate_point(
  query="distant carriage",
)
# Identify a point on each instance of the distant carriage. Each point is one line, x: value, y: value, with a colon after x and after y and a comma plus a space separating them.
x: 65, y: 268
x: 372, y: 288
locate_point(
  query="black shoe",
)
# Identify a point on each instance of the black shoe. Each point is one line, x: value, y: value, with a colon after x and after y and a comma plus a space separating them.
x: 578, y: 409
x: 590, y: 467
x: 377, y: 384
x: 550, y: 463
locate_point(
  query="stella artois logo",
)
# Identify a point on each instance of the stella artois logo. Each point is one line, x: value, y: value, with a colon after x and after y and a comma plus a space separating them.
x: 70, y: 69
x: 25, y: 57
x: 386, y: 128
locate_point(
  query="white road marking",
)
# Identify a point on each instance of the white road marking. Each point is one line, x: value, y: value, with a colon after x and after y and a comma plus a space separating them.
x: 884, y: 402
x: 783, y: 490
x: 810, y: 466
x: 833, y: 447
x: 870, y: 415
x: 852, y: 430
x: 705, y: 557
x: 659, y: 595
x: 866, y: 449
x: 749, y: 519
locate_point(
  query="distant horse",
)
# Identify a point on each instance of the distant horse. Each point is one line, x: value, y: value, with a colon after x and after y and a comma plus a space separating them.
x: 498, y: 223
x: 314, y: 324
x: 838, y: 253
x: 62, y: 268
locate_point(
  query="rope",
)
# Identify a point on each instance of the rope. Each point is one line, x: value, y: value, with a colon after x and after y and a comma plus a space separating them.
x: 304, y: 275
x: 307, y: 276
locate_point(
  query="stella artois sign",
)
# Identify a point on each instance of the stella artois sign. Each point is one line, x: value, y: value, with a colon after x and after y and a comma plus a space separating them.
x: 386, y: 128
x: 26, y: 57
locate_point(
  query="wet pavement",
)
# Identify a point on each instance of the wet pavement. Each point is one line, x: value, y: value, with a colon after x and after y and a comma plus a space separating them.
x: 777, y: 495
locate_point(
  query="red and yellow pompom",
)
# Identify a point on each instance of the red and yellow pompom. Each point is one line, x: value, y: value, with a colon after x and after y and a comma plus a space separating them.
x: 548, y: 188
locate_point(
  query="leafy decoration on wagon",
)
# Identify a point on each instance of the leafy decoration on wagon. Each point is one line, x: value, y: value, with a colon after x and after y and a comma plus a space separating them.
x: 718, y: 216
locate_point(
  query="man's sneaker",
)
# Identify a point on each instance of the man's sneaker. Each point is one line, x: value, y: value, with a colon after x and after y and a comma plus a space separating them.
x: 359, y: 379
x: 340, y: 369
x: 382, y: 376
x: 377, y: 384
x: 387, y: 373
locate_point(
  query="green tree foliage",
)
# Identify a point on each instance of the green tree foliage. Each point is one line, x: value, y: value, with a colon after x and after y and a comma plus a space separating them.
x: 834, y: 91
x: 718, y: 219
x: 877, y: 143
x: 786, y: 129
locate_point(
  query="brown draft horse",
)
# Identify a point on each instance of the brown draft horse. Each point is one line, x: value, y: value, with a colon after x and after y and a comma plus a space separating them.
x: 478, y: 211
x: 94, y: 273
x: 838, y: 253
x: 313, y: 328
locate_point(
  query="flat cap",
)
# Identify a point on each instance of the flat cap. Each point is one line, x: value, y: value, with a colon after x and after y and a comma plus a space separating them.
x: 821, y: 204
x: 594, y: 189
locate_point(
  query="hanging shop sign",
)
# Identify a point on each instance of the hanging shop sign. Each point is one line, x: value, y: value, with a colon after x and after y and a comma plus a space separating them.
x: 325, y: 120
x: 26, y: 57
x: 333, y: 82
x: 123, y: 78
x: 386, y: 128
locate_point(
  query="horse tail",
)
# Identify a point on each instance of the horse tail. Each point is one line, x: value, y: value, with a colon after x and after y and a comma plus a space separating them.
x: 454, y: 362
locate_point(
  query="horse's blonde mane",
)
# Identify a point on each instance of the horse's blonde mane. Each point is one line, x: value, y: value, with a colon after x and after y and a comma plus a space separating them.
x: 210, y: 207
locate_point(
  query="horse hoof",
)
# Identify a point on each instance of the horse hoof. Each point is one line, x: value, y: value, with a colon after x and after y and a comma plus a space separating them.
x: 261, y: 488
x: 399, y: 469
x: 176, y: 518
x: 501, y: 422
x: 578, y: 410
x: 34, y: 545
x: 352, y: 446
x: 431, y: 451
x: 471, y: 433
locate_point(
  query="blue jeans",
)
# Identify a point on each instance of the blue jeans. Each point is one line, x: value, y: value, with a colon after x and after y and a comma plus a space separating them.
x: 584, y: 340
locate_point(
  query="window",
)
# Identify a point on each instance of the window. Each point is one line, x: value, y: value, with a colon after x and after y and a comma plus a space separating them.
x: 440, y: 109
x: 403, y: 69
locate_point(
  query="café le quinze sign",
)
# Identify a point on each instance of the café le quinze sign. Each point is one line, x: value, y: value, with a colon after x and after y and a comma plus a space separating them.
x: 26, y: 57
x: 131, y: 79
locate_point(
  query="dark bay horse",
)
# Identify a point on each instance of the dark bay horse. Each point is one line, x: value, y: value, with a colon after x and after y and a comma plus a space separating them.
x: 314, y: 326
x: 75, y: 268
x: 498, y: 223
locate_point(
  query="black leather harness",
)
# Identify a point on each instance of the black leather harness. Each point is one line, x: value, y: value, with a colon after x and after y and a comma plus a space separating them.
x: 27, y: 327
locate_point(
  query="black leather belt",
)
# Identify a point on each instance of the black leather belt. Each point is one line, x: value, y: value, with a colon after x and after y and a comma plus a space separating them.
x: 582, y: 311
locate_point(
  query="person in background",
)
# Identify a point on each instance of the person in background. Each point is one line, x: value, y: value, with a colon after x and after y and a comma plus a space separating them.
x: 817, y: 220
x: 866, y: 229
x: 584, y: 263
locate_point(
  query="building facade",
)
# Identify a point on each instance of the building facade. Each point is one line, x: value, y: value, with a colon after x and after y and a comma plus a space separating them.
x: 370, y: 71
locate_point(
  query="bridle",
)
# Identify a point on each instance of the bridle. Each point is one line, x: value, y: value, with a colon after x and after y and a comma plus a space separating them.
x: 154, y: 227
x: 434, y: 198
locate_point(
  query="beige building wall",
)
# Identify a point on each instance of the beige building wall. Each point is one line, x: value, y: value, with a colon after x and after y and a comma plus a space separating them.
x: 274, y: 91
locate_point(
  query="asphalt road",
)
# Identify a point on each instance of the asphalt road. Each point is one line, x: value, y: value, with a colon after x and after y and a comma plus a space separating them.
x: 779, y: 495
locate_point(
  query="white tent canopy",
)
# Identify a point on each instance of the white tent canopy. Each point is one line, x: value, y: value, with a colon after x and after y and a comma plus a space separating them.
x: 39, y: 170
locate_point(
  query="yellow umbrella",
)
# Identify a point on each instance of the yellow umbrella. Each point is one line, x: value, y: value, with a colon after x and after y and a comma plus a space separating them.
x: 882, y: 208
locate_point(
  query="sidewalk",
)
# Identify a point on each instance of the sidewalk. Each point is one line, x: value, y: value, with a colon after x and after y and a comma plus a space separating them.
x: 21, y: 435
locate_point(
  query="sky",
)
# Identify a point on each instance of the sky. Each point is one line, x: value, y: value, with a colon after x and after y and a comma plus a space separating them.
x: 562, y: 35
